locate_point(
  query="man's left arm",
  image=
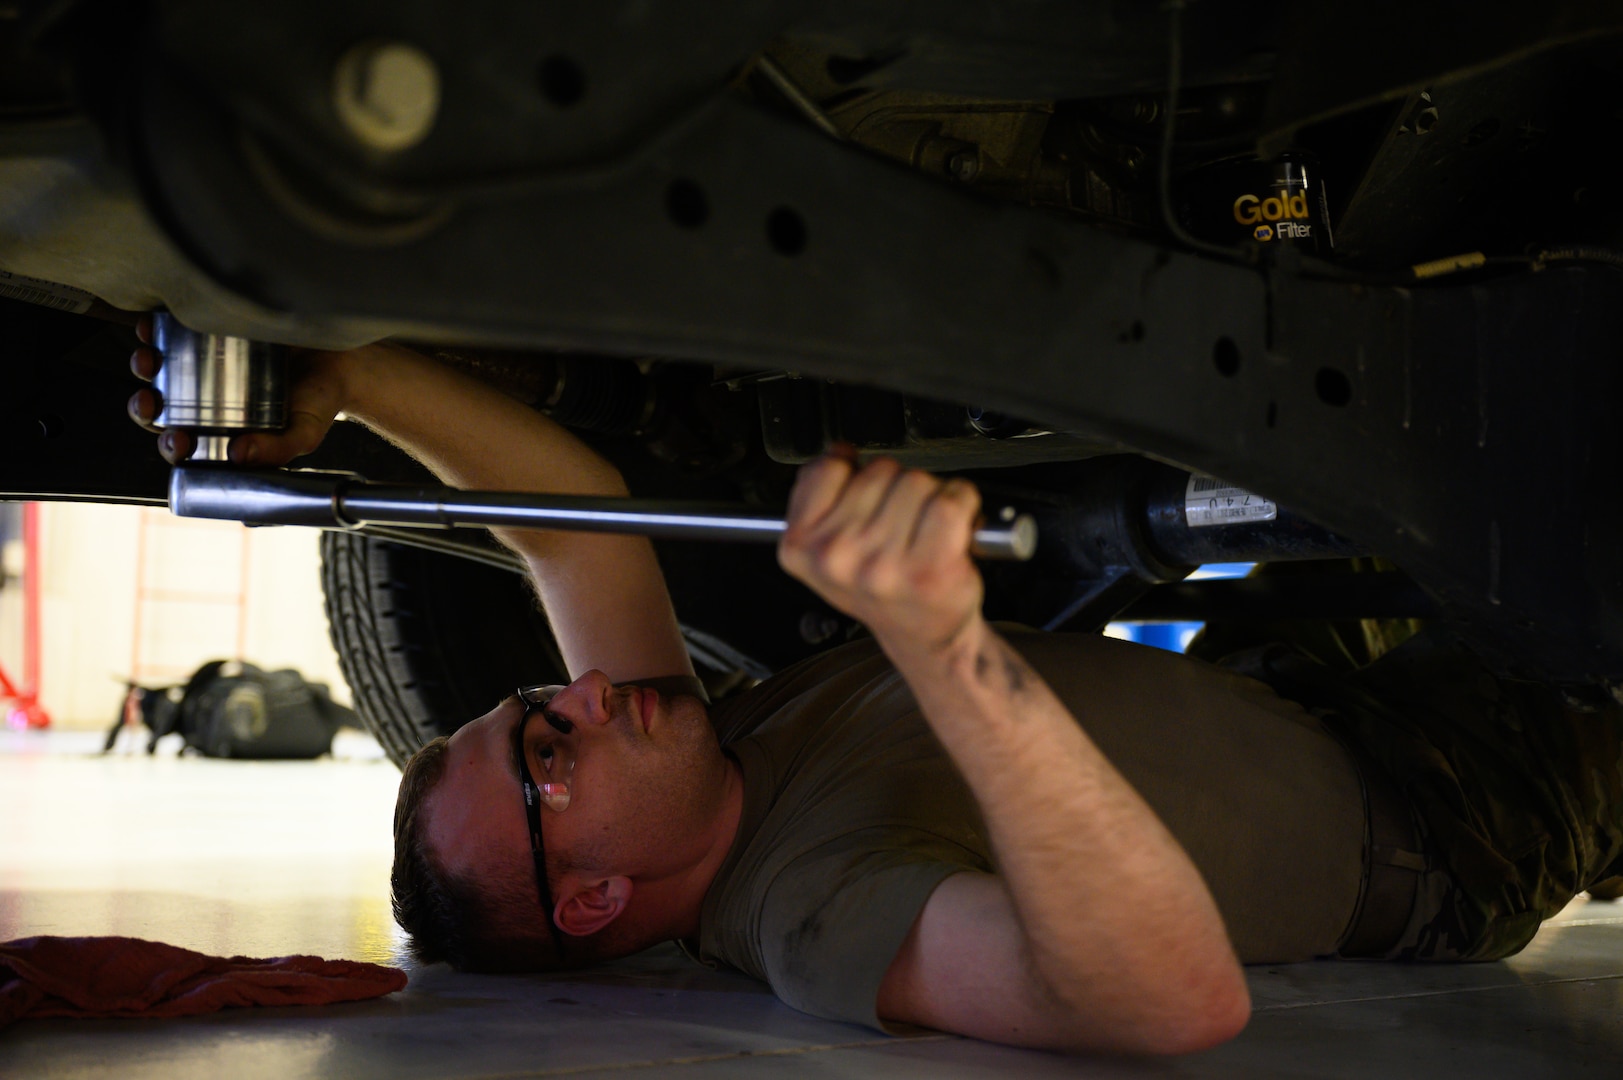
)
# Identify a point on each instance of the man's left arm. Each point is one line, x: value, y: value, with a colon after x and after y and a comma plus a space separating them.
x: 604, y: 595
x: 1097, y: 932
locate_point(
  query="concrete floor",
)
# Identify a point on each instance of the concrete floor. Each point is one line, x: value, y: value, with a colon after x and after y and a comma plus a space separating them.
x: 269, y: 859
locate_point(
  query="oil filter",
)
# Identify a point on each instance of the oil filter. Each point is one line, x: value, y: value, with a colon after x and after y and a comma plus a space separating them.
x: 1249, y: 200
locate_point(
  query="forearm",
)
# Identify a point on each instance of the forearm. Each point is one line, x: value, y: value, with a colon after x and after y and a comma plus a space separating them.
x: 1116, y: 942
x: 468, y: 434
x: 1105, y: 895
x: 604, y: 594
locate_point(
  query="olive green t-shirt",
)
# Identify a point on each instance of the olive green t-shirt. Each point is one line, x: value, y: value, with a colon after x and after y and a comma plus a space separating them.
x: 853, y: 813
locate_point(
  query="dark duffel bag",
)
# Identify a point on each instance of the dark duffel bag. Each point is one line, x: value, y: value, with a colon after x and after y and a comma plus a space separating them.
x: 232, y: 709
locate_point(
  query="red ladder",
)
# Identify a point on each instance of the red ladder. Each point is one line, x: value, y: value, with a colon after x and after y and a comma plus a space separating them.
x: 25, y: 710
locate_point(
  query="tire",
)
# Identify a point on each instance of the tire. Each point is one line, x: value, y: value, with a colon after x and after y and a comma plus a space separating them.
x: 428, y: 641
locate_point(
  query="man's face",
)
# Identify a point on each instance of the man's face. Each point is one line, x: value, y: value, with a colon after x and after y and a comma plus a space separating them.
x: 648, y: 776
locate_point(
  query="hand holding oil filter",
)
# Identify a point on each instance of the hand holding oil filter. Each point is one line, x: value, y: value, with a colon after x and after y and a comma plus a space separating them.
x: 217, y: 385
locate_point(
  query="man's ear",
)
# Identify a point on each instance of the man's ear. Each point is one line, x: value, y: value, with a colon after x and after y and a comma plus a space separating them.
x: 592, y: 905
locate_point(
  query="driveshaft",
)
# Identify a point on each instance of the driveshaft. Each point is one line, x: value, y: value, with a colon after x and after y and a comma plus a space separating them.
x: 343, y: 500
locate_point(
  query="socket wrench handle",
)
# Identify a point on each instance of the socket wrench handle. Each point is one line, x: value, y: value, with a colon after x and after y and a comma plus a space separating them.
x: 284, y: 497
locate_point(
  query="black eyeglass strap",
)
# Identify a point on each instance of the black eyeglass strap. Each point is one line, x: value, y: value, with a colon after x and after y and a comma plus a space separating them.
x: 532, y: 814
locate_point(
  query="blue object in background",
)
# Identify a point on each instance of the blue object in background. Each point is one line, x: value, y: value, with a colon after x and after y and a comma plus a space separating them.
x: 1171, y: 636
x: 1175, y: 637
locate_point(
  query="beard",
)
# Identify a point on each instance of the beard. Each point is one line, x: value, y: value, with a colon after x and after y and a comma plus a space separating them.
x: 666, y: 793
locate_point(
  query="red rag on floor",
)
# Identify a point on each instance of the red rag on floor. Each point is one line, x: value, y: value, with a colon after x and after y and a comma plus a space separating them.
x: 119, y: 976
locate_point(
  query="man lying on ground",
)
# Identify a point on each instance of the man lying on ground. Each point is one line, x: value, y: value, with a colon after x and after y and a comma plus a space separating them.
x: 1049, y: 840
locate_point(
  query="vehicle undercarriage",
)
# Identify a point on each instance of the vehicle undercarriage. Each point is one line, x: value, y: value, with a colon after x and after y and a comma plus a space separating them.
x: 1032, y: 242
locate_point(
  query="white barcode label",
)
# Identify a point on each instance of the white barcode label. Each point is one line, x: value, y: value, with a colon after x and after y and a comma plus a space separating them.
x: 38, y: 291
x: 1209, y: 501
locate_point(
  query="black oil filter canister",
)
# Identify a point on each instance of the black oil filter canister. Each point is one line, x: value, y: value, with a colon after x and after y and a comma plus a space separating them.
x: 1261, y: 202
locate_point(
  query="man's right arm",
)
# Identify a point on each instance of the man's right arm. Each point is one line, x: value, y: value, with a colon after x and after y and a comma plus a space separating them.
x: 1097, y: 932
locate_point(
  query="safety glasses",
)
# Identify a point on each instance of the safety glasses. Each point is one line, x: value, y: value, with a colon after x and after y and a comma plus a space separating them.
x: 558, y: 763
